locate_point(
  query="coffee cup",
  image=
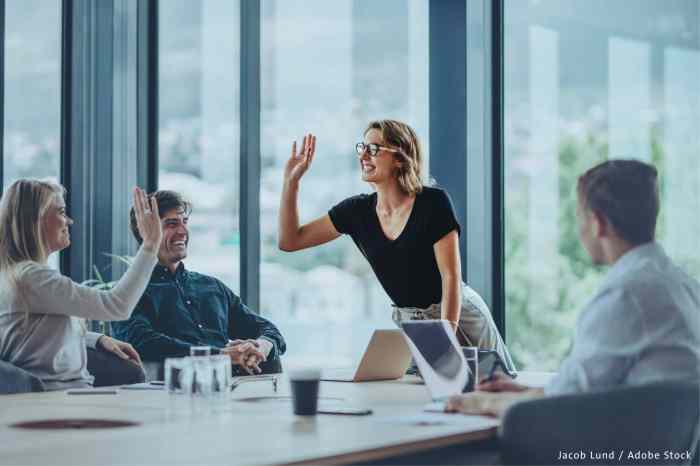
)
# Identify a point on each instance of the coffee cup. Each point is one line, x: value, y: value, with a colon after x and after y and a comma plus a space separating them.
x: 305, y: 385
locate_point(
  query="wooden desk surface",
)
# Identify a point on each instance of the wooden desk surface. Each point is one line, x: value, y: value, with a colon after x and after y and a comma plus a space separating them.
x: 179, y: 430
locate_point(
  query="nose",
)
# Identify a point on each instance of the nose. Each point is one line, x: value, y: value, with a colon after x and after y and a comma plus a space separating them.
x: 69, y: 221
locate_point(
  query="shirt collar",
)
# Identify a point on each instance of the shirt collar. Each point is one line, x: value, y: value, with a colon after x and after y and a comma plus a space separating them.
x: 162, y: 273
x: 631, y: 257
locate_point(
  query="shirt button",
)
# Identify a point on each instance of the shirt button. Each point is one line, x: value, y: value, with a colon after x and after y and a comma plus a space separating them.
x: 200, y: 326
x: 188, y: 302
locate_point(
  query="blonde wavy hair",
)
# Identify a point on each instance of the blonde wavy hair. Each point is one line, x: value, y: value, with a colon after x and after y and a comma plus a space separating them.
x: 22, y: 210
x: 402, y: 137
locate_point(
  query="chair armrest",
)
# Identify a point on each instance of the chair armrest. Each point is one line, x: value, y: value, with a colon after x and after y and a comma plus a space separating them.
x: 16, y: 380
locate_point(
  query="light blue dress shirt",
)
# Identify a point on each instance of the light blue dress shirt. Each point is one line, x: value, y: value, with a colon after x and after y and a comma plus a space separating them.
x: 643, y: 326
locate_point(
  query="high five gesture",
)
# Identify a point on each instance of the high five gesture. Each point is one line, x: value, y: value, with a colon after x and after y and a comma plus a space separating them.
x: 292, y: 236
x: 299, y: 162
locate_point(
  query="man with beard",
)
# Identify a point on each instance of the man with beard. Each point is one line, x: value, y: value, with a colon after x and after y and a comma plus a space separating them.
x: 181, y: 308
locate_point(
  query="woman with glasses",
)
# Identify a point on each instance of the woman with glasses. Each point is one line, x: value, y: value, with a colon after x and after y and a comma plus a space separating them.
x: 406, y: 230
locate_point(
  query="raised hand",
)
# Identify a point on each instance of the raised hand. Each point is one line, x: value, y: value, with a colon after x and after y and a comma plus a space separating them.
x: 148, y: 220
x: 299, y: 162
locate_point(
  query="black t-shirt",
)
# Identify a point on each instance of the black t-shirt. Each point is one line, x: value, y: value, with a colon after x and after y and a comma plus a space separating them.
x: 406, y: 267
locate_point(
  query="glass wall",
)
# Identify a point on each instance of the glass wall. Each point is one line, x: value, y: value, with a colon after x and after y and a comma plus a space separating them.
x: 199, y: 130
x: 587, y: 80
x: 32, y: 126
x: 32, y: 93
x: 329, y: 68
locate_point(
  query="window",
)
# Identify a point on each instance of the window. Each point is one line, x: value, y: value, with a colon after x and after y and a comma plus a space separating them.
x: 329, y: 68
x: 198, y: 138
x: 32, y: 92
x: 32, y: 123
x: 585, y: 81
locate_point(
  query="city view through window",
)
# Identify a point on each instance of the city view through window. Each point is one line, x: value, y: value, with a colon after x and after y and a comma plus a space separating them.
x: 327, y: 68
x: 586, y: 81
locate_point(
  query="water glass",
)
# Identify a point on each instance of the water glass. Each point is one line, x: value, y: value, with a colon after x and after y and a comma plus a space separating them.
x: 196, y: 351
x: 178, y: 375
x: 471, y: 354
x: 221, y: 375
x: 202, y: 376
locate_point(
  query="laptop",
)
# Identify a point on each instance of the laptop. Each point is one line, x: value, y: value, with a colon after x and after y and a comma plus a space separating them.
x: 386, y: 358
x: 438, y: 356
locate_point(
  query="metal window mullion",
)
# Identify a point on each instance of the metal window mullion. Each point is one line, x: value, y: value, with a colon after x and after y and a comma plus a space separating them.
x: 147, y: 94
x: 87, y: 94
x: 66, y: 169
x: 2, y: 94
x: 496, y: 21
x: 250, y: 153
x: 448, y: 106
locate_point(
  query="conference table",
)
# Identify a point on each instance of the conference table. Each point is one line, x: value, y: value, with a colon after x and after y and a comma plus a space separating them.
x: 255, y: 425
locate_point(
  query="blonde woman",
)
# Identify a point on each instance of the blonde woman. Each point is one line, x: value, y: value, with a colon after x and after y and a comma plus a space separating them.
x: 41, y: 311
x: 406, y: 230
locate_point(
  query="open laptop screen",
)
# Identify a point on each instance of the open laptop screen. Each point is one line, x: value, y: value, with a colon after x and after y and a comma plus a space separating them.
x: 435, y: 349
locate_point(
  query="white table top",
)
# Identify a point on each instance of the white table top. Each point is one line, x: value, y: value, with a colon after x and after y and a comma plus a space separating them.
x: 177, y: 430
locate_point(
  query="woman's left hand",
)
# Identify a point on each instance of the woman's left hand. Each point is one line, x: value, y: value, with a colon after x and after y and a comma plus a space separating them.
x: 120, y: 348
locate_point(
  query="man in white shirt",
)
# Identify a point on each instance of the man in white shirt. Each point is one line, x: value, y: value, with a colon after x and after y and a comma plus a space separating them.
x: 643, y: 325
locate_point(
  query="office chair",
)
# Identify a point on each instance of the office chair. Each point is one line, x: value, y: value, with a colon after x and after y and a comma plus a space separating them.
x: 16, y: 380
x: 658, y: 417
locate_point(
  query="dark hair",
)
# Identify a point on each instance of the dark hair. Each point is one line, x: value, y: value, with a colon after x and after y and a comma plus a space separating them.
x: 167, y: 201
x: 626, y: 193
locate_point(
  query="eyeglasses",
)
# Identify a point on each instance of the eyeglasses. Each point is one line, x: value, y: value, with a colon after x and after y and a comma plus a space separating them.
x: 372, y: 148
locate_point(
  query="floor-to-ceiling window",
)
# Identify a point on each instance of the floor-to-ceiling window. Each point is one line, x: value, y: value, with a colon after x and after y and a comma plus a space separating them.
x: 588, y: 80
x: 32, y: 91
x: 329, y: 68
x: 198, y: 136
x: 32, y: 123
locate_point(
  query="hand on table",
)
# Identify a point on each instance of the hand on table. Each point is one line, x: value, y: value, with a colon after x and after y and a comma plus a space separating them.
x: 488, y: 403
x: 501, y: 383
x: 248, y: 353
x: 120, y: 348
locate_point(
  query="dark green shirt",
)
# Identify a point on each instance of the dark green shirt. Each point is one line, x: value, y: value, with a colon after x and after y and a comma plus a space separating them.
x: 190, y: 309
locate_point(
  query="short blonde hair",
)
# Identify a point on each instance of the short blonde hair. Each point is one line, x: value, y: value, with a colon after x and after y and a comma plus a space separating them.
x: 402, y: 137
x: 22, y: 209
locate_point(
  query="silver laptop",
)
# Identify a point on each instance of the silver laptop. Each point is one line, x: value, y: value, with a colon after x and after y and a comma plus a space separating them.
x: 386, y: 358
x: 438, y: 356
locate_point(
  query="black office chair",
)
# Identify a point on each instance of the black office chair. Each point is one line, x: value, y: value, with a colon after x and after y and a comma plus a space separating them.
x: 660, y: 417
x: 16, y: 380
x: 109, y: 369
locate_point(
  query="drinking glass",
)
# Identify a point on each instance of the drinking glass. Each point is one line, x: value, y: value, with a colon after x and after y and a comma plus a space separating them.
x: 221, y: 375
x: 471, y: 354
x: 197, y: 351
x: 178, y: 375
